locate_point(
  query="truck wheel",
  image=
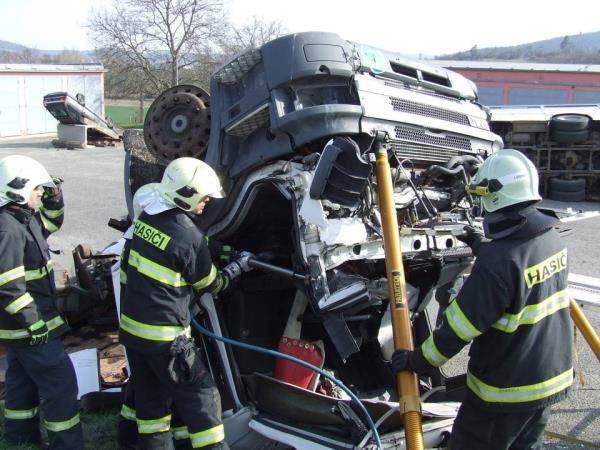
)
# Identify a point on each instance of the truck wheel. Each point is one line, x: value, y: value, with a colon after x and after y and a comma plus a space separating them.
x: 570, y: 122
x: 558, y: 184
x: 569, y: 137
x: 178, y: 123
x: 561, y: 196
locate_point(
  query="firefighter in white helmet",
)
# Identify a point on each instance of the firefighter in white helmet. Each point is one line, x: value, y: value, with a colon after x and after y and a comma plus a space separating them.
x: 31, y: 208
x: 514, y: 308
x: 168, y: 263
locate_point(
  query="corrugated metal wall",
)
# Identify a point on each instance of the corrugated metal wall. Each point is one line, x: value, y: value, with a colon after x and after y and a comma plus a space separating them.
x: 22, y: 110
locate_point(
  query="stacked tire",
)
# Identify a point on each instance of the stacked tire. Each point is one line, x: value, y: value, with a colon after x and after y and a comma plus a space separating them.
x: 566, y: 190
x: 570, y: 128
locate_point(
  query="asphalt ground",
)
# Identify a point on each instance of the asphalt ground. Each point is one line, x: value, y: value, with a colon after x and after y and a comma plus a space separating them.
x: 93, y: 190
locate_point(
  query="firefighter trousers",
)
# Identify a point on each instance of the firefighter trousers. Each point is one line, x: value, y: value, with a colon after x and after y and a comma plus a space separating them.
x: 42, y: 372
x: 127, y: 433
x: 475, y: 429
x: 198, y: 404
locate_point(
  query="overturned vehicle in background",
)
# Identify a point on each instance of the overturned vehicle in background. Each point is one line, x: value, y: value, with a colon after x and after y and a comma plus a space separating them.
x: 289, y: 128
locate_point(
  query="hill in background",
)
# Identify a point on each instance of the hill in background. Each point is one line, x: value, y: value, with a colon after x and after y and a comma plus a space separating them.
x: 583, y: 48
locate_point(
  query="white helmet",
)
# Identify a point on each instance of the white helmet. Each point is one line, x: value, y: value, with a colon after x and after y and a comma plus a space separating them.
x: 187, y: 181
x: 506, y: 178
x: 19, y: 176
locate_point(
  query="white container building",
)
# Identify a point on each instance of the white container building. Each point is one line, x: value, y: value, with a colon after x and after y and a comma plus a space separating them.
x: 23, y: 86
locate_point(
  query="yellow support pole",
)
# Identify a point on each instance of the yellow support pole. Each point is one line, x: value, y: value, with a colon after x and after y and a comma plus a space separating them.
x: 585, y: 327
x: 408, y: 388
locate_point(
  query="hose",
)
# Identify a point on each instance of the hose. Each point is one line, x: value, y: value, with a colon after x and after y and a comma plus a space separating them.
x: 277, y: 354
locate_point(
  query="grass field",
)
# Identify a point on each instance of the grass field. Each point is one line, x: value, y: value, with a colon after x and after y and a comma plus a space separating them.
x: 126, y: 116
x: 99, y: 431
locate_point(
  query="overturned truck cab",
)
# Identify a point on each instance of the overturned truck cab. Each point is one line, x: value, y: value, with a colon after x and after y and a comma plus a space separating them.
x: 289, y: 128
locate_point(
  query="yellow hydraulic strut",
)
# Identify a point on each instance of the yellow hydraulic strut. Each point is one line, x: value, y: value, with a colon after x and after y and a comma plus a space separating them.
x: 408, y: 388
x: 585, y: 327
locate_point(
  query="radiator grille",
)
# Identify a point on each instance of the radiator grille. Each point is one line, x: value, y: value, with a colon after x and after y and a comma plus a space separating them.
x: 428, y: 111
x: 422, y: 153
x: 419, y: 136
x: 250, y: 123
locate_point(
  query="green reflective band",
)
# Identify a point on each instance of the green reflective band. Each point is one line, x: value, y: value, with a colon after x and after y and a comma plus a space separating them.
x: 36, y: 274
x: 151, y: 234
x: 52, y: 213
x: 18, y: 304
x: 12, y: 274
x: 62, y: 426
x: 122, y: 276
x: 532, y: 314
x: 208, y: 437
x: 127, y: 412
x: 19, y: 333
x: 20, y: 414
x: 207, y: 280
x: 518, y: 394
x: 459, y: 323
x: 541, y: 272
x: 55, y: 322
x: 154, y: 426
x: 152, y: 332
x: 36, y: 326
x: 180, y: 433
x: 431, y: 353
x: 155, y: 271
x: 48, y: 224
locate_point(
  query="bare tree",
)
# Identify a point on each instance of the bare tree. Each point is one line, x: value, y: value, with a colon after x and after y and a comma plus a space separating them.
x: 157, y: 38
x: 253, y: 34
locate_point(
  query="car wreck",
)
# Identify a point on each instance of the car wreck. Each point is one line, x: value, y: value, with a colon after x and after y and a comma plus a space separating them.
x: 289, y: 128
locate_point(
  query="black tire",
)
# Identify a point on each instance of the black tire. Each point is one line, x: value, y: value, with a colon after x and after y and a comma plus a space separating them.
x: 570, y: 122
x: 569, y: 137
x: 560, y: 196
x: 558, y: 184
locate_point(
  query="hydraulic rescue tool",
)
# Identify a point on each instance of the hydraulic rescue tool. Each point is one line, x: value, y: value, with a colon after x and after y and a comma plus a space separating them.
x: 585, y: 327
x: 408, y: 388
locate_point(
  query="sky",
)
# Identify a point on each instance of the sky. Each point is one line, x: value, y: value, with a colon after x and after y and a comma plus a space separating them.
x: 430, y: 27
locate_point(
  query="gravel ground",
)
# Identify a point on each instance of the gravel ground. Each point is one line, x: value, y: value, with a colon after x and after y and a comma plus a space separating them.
x: 94, y: 193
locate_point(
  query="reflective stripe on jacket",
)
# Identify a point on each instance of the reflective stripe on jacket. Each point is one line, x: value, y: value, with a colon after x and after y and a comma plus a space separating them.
x: 163, y: 266
x: 514, y: 307
x: 27, y: 285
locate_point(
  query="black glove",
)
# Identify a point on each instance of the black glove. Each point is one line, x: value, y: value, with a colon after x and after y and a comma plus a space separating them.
x: 185, y: 366
x: 38, y: 333
x: 401, y: 360
x: 473, y: 237
x: 53, y: 193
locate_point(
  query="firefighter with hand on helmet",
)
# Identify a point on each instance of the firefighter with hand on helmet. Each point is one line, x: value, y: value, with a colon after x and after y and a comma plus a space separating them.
x: 166, y: 265
x: 513, y: 309
x: 39, y: 372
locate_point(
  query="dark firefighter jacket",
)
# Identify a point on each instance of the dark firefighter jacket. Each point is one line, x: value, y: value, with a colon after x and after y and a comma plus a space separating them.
x: 165, y: 264
x: 515, y: 308
x: 26, y: 277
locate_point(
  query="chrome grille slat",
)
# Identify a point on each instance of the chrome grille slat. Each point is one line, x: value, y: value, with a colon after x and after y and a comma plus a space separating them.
x: 434, y: 112
x: 419, y: 136
x: 424, y: 153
